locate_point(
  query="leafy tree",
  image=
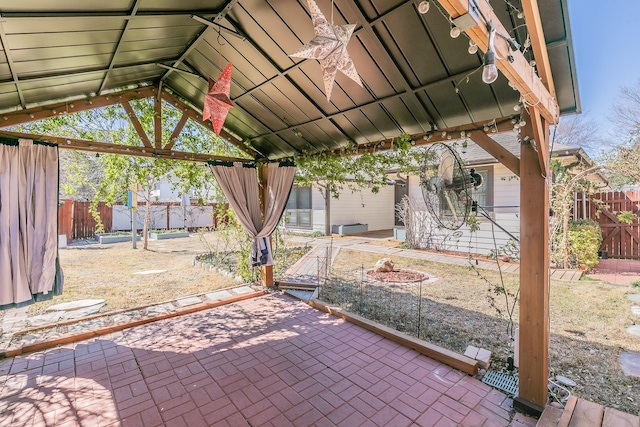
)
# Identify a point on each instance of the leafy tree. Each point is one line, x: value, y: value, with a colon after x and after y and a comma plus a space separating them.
x: 619, y: 164
x: 356, y: 167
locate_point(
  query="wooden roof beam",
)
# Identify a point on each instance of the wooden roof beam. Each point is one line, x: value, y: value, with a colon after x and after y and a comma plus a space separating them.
x: 538, y: 44
x: 136, y: 123
x: 109, y: 148
x: 443, y: 135
x: 519, y: 72
x: 67, y: 107
x: 500, y: 153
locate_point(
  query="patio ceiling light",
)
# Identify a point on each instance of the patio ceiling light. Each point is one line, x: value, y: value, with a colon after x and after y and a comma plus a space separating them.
x: 473, y: 47
x: 490, y: 71
x: 424, y: 6
x: 455, y: 32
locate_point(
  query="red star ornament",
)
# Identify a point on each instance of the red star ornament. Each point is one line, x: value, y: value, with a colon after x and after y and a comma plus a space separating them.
x: 217, y: 102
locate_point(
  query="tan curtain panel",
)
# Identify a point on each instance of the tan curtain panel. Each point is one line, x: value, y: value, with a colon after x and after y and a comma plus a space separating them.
x: 28, y: 222
x: 239, y: 183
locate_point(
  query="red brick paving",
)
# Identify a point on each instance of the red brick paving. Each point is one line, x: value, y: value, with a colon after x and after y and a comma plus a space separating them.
x: 267, y: 361
x: 616, y: 271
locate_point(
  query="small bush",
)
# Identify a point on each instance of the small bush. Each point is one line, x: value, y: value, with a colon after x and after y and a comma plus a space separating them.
x: 635, y: 284
x: 585, y: 238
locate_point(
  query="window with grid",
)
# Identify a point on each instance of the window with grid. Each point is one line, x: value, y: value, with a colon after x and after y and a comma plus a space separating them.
x: 483, y: 194
x: 298, y: 211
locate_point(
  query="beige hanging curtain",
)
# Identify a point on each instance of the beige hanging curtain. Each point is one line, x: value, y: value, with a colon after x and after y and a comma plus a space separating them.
x: 239, y: 183
x: 28, y: 222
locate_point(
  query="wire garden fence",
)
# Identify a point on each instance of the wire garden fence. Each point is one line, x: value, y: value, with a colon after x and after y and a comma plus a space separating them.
x: 398, y: 305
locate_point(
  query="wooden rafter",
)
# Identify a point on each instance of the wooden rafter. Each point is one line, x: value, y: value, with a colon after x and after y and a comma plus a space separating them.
x: 176, y: 131
x: 519, y: 72
x: 109, y: 148
x: 51, y: 110
x: 136, y: 123
x: 157, y: 121
x: 541, y: 136
x: 538, y: 44
x: 500, y: 153
x: 441, y: 135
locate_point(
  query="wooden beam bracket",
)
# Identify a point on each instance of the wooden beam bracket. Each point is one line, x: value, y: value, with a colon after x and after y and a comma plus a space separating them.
x: 513, y: 64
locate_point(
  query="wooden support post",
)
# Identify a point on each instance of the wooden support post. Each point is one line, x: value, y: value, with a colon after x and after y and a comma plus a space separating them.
x: 266, y: 271
x: 534, y: 276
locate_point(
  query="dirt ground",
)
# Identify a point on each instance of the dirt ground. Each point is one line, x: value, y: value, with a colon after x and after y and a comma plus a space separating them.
x: 107, y: 272
x: 588, y: 322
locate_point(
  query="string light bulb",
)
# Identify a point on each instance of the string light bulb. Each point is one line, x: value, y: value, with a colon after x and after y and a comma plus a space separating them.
x: 424, y: 6
x: 473, y: 47
x: 490, y: 71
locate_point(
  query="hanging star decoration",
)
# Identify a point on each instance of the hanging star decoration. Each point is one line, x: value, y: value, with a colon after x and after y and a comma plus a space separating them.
x: 217, y: 102
x: 329, y: 46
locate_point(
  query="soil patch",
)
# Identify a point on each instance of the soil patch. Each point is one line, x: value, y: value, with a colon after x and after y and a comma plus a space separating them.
x: 397, y: 276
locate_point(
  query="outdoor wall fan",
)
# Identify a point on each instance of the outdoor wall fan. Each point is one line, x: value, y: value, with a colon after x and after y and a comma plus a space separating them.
x: 446, y: 186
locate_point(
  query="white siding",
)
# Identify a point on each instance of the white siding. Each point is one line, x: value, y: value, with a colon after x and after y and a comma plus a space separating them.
x: 365, y: 207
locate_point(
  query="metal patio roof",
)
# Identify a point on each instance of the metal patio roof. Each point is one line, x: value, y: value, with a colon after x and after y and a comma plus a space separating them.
x: 409, y: 64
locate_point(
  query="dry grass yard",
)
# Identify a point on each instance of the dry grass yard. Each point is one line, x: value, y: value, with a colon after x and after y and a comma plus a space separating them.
x: 107, y: 272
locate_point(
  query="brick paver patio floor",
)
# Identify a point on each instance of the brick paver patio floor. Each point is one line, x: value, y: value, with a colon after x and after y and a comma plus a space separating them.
x: 267, y: 361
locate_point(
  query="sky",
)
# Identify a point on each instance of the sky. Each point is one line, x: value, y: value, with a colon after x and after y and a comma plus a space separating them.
x: 604, y: 35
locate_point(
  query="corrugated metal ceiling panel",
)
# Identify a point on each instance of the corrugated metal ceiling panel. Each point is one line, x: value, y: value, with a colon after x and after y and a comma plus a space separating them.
x: 408, y: 63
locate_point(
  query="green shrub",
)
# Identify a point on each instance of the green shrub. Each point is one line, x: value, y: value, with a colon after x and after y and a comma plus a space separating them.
x: 635, y: 284
x: 585, y: 238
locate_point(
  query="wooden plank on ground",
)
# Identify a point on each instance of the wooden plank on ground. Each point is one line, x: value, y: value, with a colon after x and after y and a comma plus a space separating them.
x: 615, y: 418
x: 587, y: 414
x: 550, y: 417
x: 433, y: 351
x: 568, y: 412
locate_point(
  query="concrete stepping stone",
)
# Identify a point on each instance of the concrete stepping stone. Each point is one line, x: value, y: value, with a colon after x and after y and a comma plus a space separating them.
x: 634, y: 330
x: 75, y: 305
x: 44, y: 319
x: 630, y: 363
x: 82, y: 312
x: 159, y: 309
x: 242, y: 290
x: 219, y: 295
x: 635, y: 310
x: 150, y: 272
x: 634, y: 297
x: 184, y: 302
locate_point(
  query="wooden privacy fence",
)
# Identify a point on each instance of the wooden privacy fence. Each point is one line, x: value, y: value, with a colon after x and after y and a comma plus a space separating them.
x: 76, y: 222
x: 620, y: 240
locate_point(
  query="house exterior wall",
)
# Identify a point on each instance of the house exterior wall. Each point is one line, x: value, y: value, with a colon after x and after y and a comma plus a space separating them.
x: 374, y: 209
x: 364, y: 207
